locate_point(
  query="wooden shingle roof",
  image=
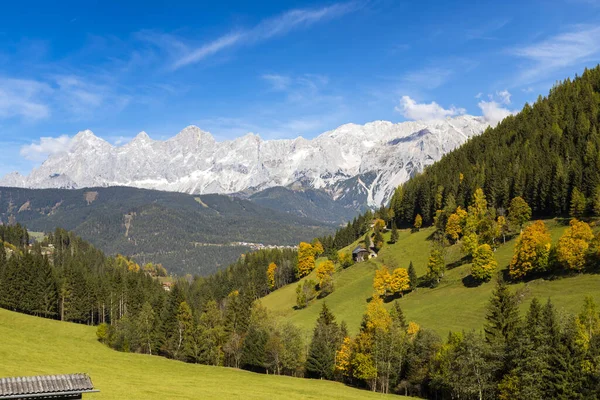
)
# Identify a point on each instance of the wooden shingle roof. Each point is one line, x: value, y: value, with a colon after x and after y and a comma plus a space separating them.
x: 48, y: 386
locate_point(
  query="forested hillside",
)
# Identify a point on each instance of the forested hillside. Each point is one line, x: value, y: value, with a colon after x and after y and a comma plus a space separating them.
x: 549, y: 154
x: 187, y: 234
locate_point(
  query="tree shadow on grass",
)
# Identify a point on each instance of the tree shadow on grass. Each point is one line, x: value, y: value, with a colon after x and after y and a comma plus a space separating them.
x: 471, y: 282
x: 458, y: 263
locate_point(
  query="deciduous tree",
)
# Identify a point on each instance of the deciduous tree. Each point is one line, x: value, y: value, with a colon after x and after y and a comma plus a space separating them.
x: 306, y: 259
x: 519, y: 212
x: 573, y: 245
x: 484, y: 263
x: 531, y: 251
x: 418, y: 222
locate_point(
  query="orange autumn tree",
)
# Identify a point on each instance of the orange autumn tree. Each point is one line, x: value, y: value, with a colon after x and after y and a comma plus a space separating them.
x: 532, y: 251
x: 573, y: 245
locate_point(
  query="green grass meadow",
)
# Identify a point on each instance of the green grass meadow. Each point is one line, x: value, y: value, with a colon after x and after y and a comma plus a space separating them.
x: 452, y: 306
x: 35, y: 346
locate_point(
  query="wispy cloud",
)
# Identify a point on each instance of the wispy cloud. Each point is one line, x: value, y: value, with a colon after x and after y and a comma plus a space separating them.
x: 24, y: 98
x: 484, y: 32
x: 580, y: 45
x: 184, y: 53
x: 410, y: 109
x: 278, y: 82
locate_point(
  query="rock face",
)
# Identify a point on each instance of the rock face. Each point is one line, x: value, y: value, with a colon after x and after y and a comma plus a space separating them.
x: 355, y: 164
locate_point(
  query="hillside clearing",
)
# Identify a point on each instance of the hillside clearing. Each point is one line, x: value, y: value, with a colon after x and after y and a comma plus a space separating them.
x: 450, y: 306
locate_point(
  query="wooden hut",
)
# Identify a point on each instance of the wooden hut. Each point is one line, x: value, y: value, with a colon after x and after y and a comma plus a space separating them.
x: 56, y: 387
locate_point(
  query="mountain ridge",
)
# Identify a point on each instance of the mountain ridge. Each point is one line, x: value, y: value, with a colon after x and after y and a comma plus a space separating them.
x: 194, y: 162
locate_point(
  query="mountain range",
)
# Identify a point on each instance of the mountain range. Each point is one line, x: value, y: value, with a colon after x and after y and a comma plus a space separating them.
x: 356, y: 166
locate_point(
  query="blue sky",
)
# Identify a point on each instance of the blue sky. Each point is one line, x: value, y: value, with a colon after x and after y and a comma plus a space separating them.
x: 279, y: 69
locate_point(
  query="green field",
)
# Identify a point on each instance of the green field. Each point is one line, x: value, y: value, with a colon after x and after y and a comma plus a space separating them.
x: 450, y: 306
x: 36, y: 346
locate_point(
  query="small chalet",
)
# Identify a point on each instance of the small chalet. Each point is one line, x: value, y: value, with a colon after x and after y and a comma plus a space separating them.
x: 57, y: 387
x: 360, y: 254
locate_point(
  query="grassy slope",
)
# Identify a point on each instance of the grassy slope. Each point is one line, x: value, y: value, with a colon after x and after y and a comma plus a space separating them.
x: 450, y: 306
x: 32, y: 346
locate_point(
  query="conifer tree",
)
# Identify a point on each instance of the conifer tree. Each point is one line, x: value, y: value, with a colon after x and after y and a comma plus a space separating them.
x: 394, y: 235
x: 412, y: 276
x: 578, y: 203
x: 502, y: 318
x: 326, y: 341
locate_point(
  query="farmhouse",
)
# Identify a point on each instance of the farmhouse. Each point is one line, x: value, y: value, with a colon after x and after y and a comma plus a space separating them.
x: 360, y: 254
x: 56, y: 387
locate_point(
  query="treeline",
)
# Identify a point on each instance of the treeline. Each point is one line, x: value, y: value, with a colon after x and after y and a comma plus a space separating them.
x: 545, y: 355
x: 548, y: 154
x: 66, y: 278
x: 347, y: 235
x: 214, y: 320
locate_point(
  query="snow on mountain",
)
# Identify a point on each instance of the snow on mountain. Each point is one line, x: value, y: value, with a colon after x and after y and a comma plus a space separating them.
x: 367, y: 161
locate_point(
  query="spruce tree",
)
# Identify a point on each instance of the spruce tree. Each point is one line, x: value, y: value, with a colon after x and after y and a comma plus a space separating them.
x: 320, y: 362
x: 502, y: 317
x: 412, y: 276
x: 394, y: 235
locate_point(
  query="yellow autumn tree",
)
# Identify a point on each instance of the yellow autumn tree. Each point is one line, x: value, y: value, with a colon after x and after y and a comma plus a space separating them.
x: 502, y: 227
x: 379, y: 224
x: 531, y: 251
x: 344, y: 356
x: 399, y: 281
x: 418, y: 222
x: 324, y: 271
x: 317, y: 247
x: 453, y: 228
x: 306, y: 259
x: 484, y: 263
x: 573, y: 245
x: 271, y: 274
x: 381, y: 281
x: 377, y: 317
x: 413, y: 329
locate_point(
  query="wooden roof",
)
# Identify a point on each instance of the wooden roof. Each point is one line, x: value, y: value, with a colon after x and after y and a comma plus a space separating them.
x: 48, y: 386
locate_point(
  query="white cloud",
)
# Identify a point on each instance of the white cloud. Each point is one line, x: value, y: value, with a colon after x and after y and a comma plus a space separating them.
x: 478, y: 95
x: 564, y: 50
x: 187, y: 54
x: 410, y: 109
x: 504, y: 96
x: 46, y: 147
x: 493, y: 112
x: 23, y: 98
